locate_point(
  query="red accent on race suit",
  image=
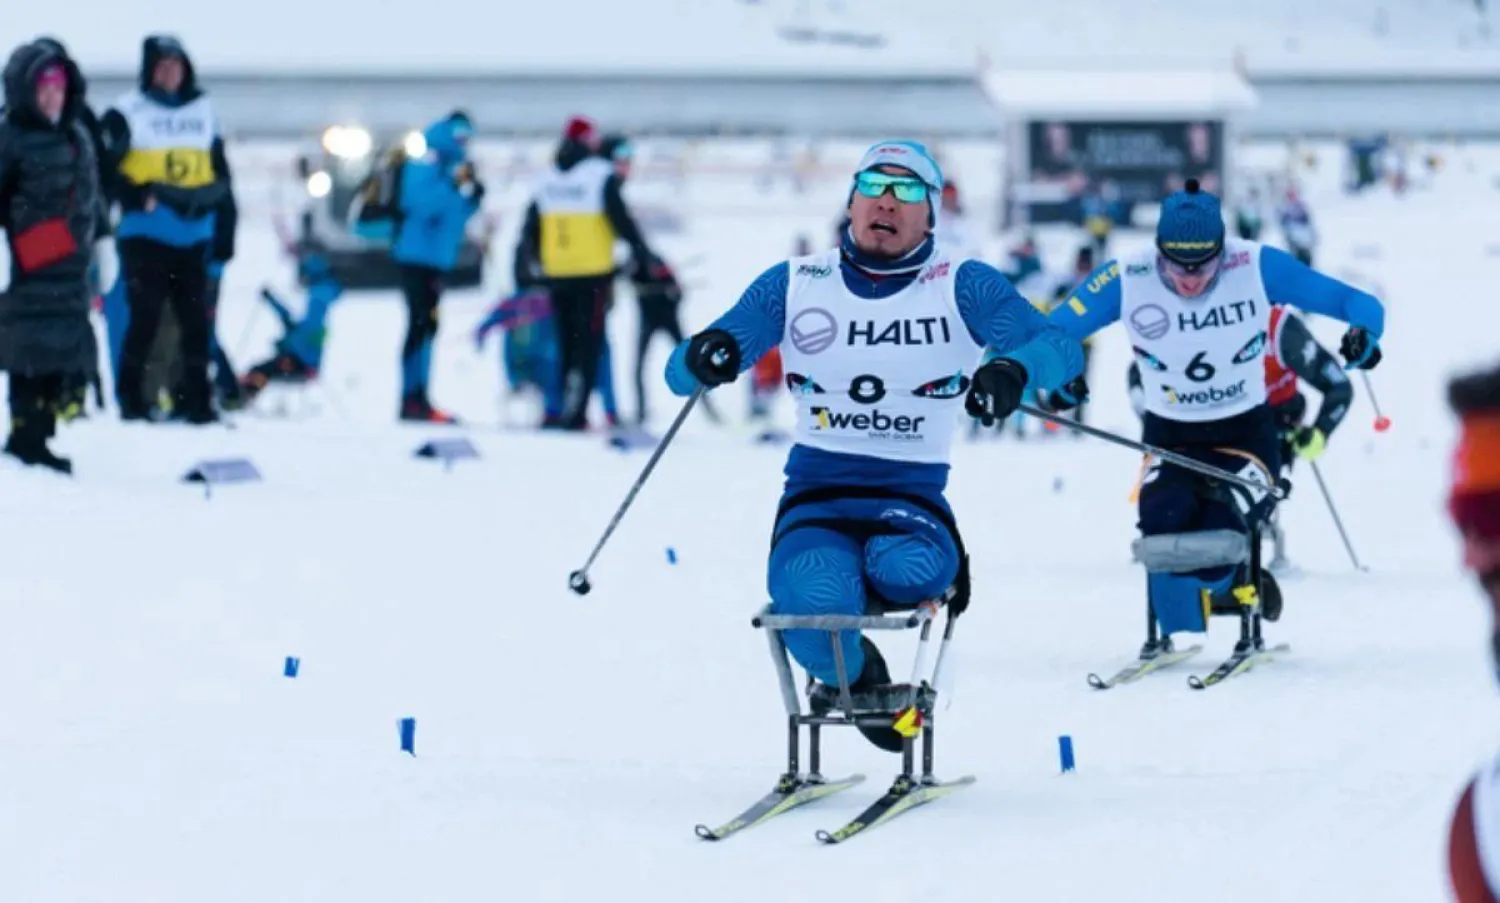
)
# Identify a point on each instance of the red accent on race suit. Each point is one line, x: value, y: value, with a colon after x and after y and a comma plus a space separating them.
x: 766, y: 374
x: 1281, y: 381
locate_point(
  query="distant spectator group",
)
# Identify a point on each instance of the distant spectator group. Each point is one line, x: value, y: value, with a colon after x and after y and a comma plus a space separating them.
x: 139, y: 203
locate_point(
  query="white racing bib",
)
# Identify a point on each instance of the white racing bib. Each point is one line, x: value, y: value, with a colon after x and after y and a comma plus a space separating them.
x: 1200, y: 358
x: 884, y: 378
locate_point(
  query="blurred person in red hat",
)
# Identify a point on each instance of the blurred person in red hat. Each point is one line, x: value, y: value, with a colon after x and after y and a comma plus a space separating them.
x: 1474, y: 504
x: 53, y: 212
x: 567, y: 246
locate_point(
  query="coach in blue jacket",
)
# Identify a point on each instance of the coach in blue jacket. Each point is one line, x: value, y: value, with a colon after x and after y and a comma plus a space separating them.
x: 438, y: 193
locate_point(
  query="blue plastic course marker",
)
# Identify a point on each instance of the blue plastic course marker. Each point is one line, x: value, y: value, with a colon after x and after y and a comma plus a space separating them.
x: 671, y: 555
x: 1065, y: 752
x: 408, y: 735
x: 292, y: 664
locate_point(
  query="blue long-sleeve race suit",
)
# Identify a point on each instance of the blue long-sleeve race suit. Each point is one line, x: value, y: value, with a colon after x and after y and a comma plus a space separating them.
x: 1171, y: 502
x: 896, y: 535
x: 1286, y: 280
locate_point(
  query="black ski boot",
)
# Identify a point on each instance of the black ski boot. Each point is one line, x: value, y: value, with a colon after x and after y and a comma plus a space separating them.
x: 1229, y: 602
x: 1270, y: 597
x: 30, y: 448
x: 872, y: 693
x: 876, y: 674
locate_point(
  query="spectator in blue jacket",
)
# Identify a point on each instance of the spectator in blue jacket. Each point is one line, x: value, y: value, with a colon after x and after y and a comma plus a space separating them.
x: 438, y: 193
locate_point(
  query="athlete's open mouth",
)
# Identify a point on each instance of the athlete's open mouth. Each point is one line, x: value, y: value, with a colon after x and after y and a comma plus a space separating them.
x: 882, y: 226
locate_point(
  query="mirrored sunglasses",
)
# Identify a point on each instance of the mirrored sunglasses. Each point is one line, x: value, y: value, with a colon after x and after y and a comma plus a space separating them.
x: 908, y: 190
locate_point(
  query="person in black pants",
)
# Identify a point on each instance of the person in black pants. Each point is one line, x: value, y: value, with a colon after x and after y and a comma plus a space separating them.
x: 659, y: 295
x: 422, y: 288
x: 566, y: 246
x: 173, y: 183
x: 157, y: 275
x: 52, y: 212
x: 437, y: 195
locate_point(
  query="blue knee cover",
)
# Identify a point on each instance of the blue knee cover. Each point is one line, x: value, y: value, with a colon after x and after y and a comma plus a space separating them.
x: 818, y: 572
x: 1177, y: 599
x: 911, y: 568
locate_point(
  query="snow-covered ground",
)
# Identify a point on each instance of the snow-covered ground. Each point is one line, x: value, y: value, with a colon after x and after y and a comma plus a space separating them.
x: 152, y: 752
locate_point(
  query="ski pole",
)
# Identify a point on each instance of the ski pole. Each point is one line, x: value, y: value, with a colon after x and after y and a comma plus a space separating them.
x: 578, y: 581
x: 1182, y: 461
x: 1382, y: 422
x: 1335, y: 512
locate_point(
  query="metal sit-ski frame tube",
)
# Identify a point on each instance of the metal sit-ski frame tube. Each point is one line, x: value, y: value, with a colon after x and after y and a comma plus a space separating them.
x: 835, y: 625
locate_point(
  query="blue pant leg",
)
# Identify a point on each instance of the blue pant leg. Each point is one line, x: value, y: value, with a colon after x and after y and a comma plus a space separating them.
x: 816, y: 571
x: 549, y: 367
x: 1170, y: 503
x: 916, y: 564
x: 116, y: 322
x: 604, y: 380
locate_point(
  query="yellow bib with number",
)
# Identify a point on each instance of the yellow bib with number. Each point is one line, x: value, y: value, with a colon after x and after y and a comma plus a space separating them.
x: 183, y: 167
x: 576, y: 239
x: 577, y: 244
x: 168, y: 145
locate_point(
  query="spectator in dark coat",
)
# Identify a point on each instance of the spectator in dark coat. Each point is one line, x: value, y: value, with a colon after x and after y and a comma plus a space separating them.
x: 53, y: 212
x: 86, y: 116
x: 171, y: 178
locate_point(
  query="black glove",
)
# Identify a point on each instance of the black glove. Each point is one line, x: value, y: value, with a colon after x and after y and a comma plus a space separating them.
x: 964, y: 590
x: 652, y: 278
x: 651, y: 269
x: 996, y: 391
x: 1289, y: 413
x: 1068, y: 397
x: 472, y: 189
x: 1360, y: 349
x: 713, y: 357
x: 524, y: 274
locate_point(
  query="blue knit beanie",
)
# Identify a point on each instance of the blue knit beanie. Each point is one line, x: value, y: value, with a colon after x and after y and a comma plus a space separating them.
x: 912, y: 156
x: 1191, y: 228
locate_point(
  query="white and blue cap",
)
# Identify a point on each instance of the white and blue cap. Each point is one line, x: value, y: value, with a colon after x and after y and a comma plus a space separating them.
x: 912, y: 156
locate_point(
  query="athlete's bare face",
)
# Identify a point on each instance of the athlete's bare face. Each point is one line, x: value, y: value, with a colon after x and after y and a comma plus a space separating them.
x: 1189, y: 283
x: 884, y: 225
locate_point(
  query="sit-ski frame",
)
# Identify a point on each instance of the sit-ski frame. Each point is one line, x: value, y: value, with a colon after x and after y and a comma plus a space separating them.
x: 882, y: 707
x: 1251, y: 645
x: 920, y: 696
